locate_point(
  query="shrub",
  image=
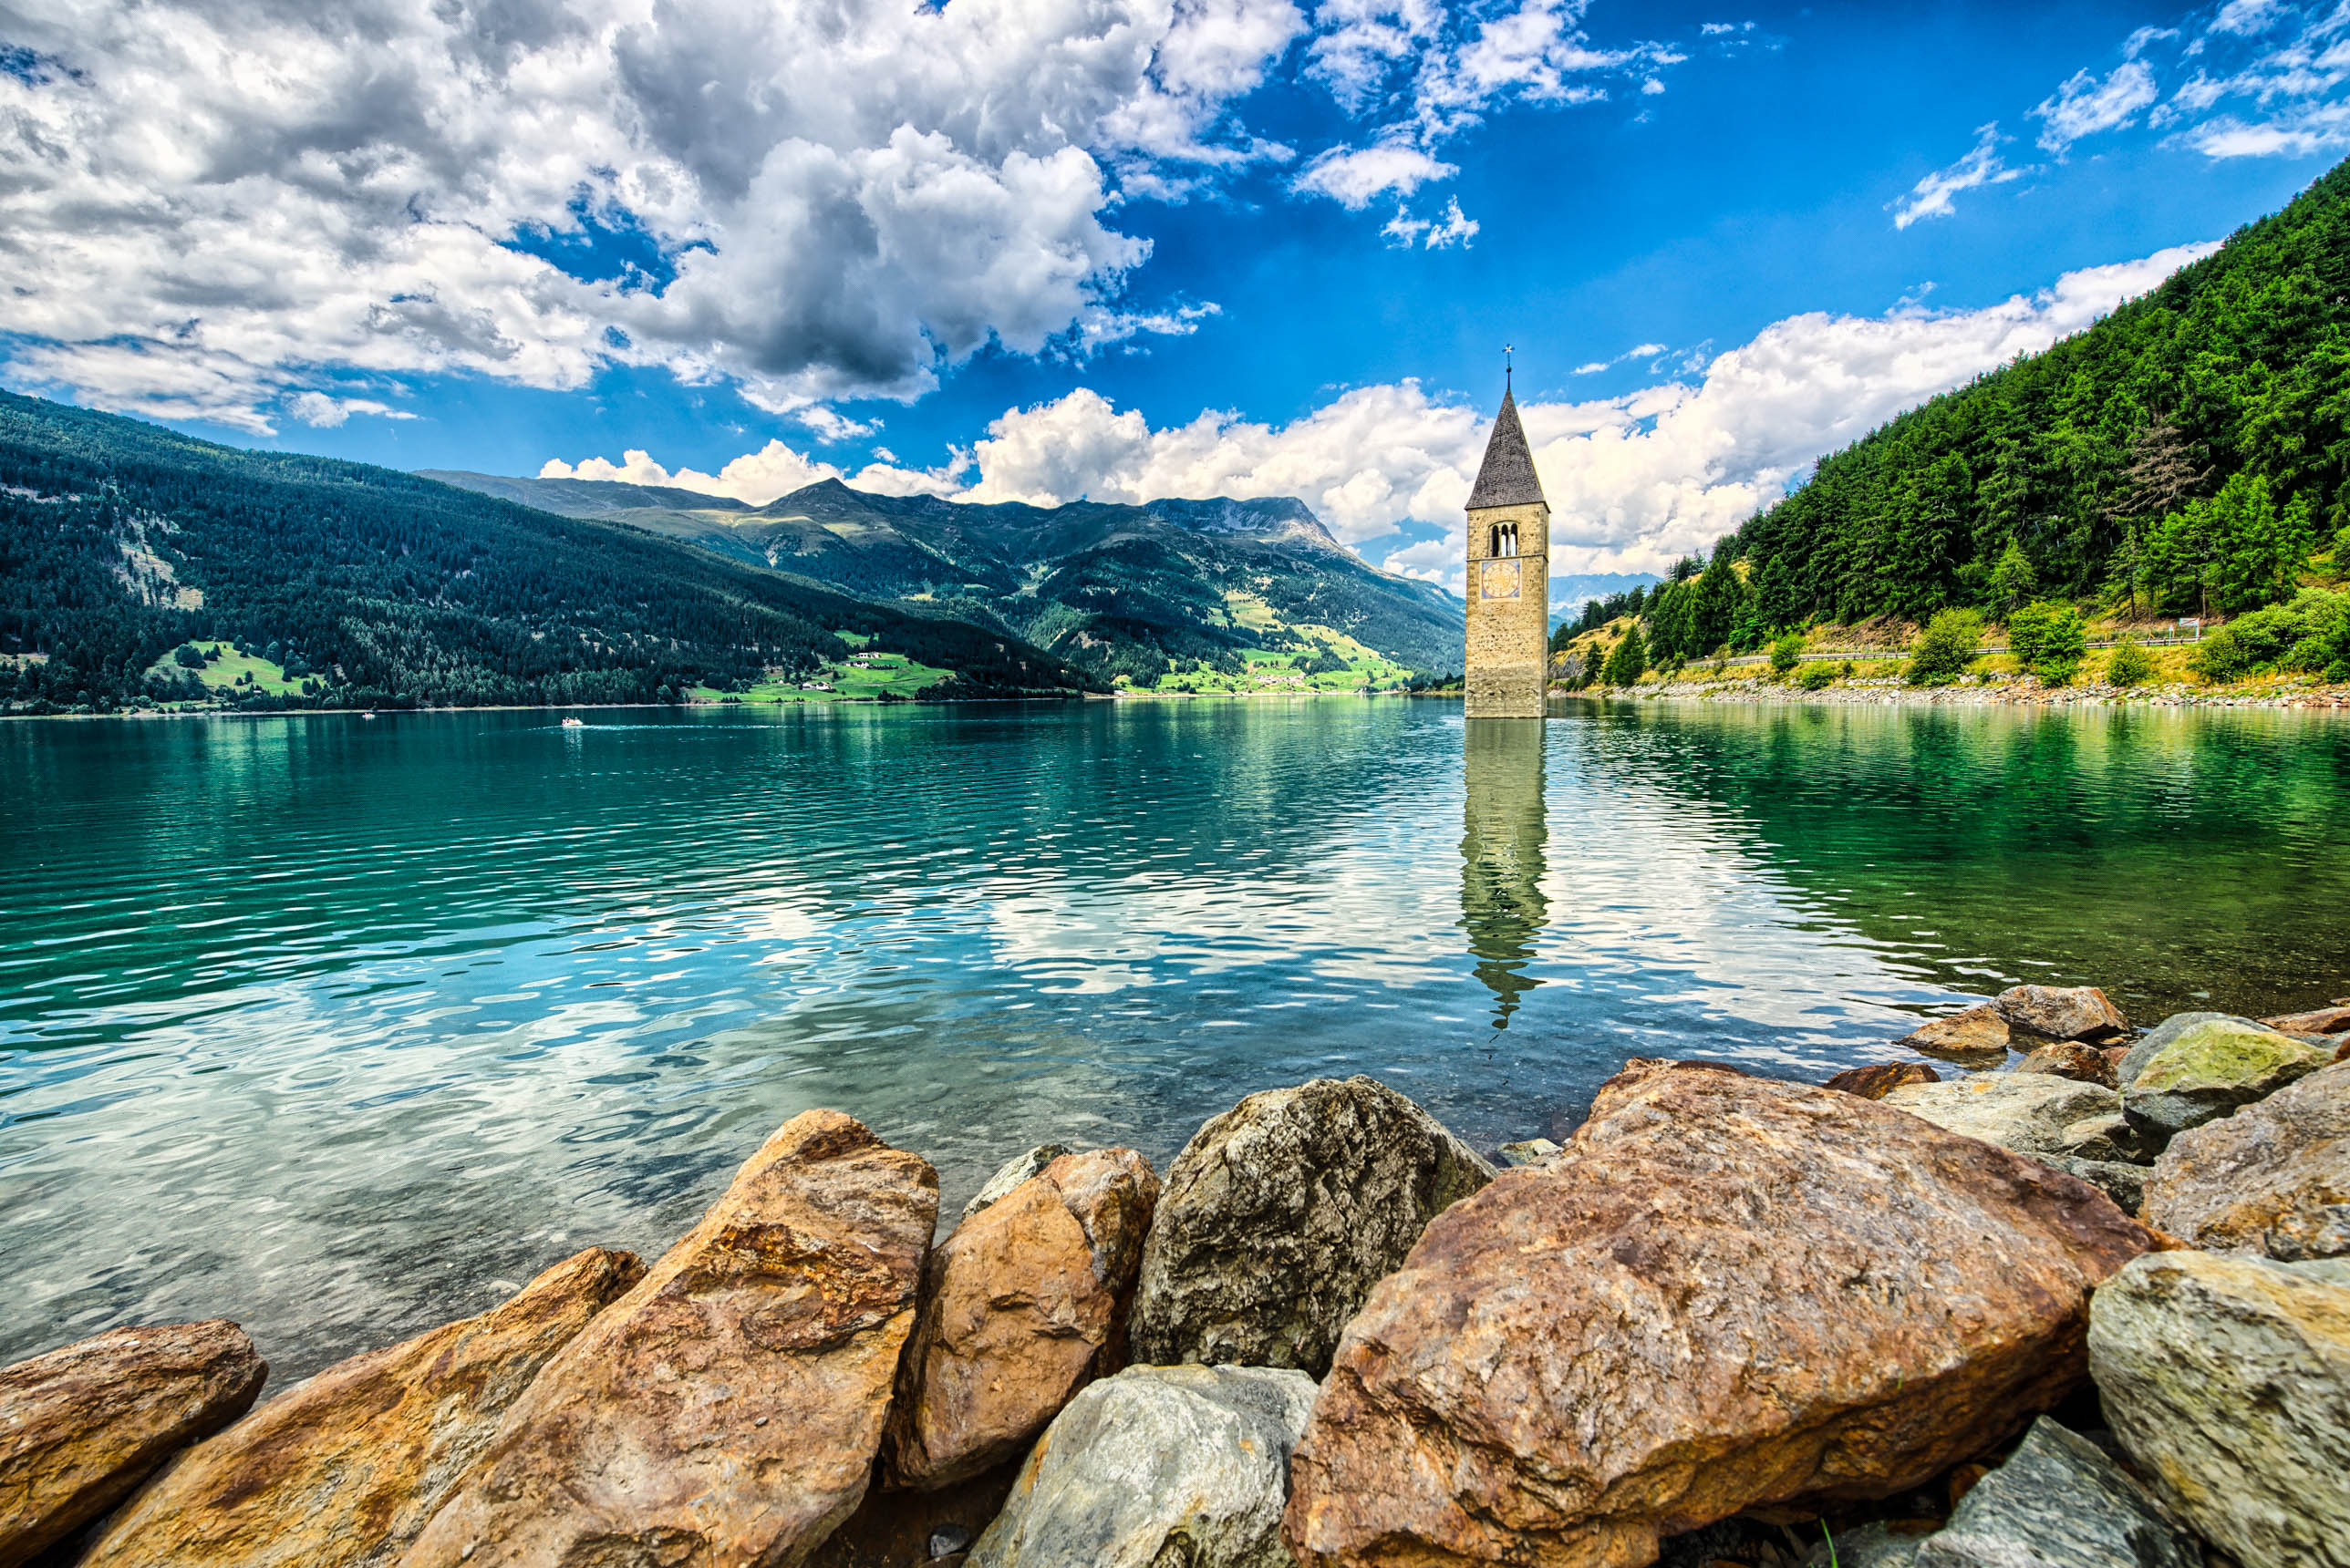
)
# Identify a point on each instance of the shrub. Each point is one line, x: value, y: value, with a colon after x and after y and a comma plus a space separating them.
x: 2049, y: 640
x: 1815, y: 675
x: 1946, y: 647
x: 1786, y: 653
x: 2219, y: 658
x: 2312, y: 632
x: 2130, y: 665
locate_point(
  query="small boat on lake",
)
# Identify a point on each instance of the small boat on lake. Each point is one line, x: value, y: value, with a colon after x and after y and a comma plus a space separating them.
x: 575, y: 723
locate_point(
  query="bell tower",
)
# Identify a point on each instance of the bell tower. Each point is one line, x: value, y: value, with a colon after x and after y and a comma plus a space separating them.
x: 1508, y: 657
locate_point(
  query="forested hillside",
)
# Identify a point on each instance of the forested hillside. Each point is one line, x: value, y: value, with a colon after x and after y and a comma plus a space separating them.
x: 121, y: 543
x: 1143, y: 592
x: 2187, y: 453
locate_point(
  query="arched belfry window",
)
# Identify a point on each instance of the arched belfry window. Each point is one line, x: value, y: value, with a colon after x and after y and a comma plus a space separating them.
x: 1493, y: 544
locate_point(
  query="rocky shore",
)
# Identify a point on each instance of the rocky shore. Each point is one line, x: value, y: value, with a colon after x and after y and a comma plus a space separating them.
x: 2078, y: 1296
x: 1996, y: 690
x: 2022, y: 691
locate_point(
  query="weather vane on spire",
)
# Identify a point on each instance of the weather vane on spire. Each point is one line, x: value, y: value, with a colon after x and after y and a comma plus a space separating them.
x: 1507, y: 351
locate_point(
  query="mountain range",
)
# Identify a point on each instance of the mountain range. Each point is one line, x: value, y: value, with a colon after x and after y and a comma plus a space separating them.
x: 1117, y: 590
x: 138, y: 565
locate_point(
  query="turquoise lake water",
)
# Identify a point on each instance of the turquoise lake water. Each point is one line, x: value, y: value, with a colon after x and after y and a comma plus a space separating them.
x: 343, y: 1027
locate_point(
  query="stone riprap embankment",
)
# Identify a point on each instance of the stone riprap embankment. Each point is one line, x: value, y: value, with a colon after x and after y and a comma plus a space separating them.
x: 1720, y: 1322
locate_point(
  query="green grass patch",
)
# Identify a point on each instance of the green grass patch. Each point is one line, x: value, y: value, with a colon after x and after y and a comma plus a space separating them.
x: 864, y: 678
x: 1265, y: 672
x: 232, y: 672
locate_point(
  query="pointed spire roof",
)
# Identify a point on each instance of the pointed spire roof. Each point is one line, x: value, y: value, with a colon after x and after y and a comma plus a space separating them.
x: 1507, y: 476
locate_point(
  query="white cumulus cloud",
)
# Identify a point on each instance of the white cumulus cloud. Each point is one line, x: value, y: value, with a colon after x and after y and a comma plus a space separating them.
x: 1352, y: 176
x: 1634, y: 481
x: 2084, y: 106
x: 1931, y: 197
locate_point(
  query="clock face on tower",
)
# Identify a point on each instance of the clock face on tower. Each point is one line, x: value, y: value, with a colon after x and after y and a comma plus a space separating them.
x: 1500, y: 579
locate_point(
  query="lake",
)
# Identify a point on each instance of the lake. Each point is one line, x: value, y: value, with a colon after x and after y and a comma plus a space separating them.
x: 344, y: 1027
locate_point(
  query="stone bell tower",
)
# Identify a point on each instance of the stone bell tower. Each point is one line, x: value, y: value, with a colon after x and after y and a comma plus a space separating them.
x: 1508, y: 662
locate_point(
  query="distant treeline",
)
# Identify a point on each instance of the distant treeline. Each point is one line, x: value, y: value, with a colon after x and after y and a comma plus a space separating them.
x: 2187, y: 453
x: 120, y: 541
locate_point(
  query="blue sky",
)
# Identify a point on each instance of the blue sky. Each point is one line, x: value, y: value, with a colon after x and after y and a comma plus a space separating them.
x: 1020, y: 248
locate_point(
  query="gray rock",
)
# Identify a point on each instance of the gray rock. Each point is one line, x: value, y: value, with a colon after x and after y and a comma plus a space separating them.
x: 2226, y: 1380
x: 2164, y: 1033
x: 1013, y: 1172
x: 2273, y: 1178
x: 2109, y: 1136
x: 2028, y: 1112
x: 1155, y: 1467
x: 2209, y: 1069
x: 2123, y: 1183
x: 1868, y: 1546
x: 2057, y: 1502
x: 1280, y: 1215
x: 1527, y: 1151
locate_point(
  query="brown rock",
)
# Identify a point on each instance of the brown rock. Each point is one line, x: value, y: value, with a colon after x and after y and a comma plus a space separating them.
x: 725, y: 1412
x: 1978, y: 1037
x: 82, y: 1425
x: 2062, y: 1012
x: 1727, y: 1293
x: 2334, y: 1019
x: 344, y: 1470
x: 2070, y: 1059
x: 1024, y: 1305
x: 2273, y: 1178
x: 1879, y: 1079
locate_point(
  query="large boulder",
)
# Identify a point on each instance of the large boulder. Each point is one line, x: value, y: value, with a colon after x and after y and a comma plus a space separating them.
x: 1160, y: 1466
x: 1729, y: 1291
x: 2164, y: 1033
x: 2274, y: 1178
x: 1280, y: 1214
x: 82, y: 1425
x: 1878, y: 1079
x: 1978, y: 1037
x: 1023, y: 1305
x: 728, y: 1409
x: 2062, y: 1012
x: 344, y: 1470
x: 2227, y: 1379
x: 2057, y: 1502
x: 2206, y: 1070
x: 2027, y: 1112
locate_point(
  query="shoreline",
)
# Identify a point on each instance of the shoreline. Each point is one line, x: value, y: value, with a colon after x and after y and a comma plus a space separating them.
x: 2107, y: 1206
x: 1892, y: 691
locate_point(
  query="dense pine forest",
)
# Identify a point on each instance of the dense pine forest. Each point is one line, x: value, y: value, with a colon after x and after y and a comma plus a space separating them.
x: 126, y: 551
x: 2186, y: 455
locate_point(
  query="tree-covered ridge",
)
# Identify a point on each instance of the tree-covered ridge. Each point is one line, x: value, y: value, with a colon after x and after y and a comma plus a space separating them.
x: 1145, y: 592
x: 120, y: 541
x: 2187, y: 453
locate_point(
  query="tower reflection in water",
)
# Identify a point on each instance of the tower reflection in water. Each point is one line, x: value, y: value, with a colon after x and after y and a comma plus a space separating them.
x: 1501, y: 856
